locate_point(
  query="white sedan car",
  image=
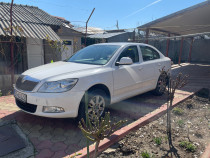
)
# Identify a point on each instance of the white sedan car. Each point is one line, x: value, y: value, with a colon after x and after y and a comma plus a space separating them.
x: 109, y: 72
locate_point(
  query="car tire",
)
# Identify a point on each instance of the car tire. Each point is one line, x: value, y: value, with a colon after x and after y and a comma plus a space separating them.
x: 161, y: 85
x: 93, y: 95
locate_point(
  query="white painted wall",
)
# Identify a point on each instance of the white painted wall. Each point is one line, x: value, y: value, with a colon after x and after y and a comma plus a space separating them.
x: 68, y: 52
x: 35, y: 52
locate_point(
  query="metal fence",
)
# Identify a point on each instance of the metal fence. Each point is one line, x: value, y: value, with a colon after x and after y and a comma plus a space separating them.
x: 19, y: 60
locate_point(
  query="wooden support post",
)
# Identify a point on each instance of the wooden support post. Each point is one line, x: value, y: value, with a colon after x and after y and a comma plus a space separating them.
x: 180, y: 53
x: 167, y: 47
x: 12, y: 46
x: 147, y: 35
x: 191, y: 44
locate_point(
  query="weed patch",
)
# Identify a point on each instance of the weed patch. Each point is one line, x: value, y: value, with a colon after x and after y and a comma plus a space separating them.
x: 157, y: 140
x: 145, y: 154
x: 177, y: 111
x: 187, y: 145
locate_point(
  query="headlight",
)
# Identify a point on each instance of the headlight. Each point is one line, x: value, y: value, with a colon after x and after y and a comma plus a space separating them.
x: 58, y: 86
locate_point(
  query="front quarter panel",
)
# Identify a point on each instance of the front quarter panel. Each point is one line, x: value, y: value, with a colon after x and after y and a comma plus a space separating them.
x: 99, y: 76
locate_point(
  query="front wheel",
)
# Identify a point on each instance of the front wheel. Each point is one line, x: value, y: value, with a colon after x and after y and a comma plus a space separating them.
x: 97, y: 102
x: 161, y: 85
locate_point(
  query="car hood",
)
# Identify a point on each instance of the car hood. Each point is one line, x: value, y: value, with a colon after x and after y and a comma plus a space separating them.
x: 58, y: 68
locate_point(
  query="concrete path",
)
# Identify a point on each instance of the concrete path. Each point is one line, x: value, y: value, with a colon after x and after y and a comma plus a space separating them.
x: 62, y: 137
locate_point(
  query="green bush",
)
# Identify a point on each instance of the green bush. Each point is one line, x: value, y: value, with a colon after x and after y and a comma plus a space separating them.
x: 188, y: 146
x: 180, y: 123
x: 177, y: 111
x: 158, y: 140
x: 145, y: 154
x: 183, y: 144
x: 0, y: 93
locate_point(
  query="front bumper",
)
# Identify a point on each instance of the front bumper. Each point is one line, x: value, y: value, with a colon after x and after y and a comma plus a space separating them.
x: 69, y: 101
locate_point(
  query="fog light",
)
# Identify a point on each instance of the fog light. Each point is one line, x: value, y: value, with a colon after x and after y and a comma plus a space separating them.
x: 52, y: 109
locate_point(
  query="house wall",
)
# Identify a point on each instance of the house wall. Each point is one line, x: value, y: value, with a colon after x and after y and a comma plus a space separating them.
x: 76, y: 42
x: 35, y: 52
x: 69, y: 34
x: 121, y: 38
x: 50, y: 53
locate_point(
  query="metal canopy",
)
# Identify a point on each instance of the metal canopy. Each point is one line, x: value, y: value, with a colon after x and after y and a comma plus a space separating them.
x: 192, y: 20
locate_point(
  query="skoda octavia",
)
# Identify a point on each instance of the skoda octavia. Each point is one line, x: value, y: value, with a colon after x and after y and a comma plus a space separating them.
x: 108, y: 72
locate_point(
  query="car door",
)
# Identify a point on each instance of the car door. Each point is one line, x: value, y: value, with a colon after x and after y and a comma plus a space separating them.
x: 150, y: 66
x: 126, y: 77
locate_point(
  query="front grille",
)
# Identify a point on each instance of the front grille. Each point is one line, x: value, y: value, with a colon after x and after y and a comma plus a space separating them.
x: 26, y: 83
x: 26, y: 106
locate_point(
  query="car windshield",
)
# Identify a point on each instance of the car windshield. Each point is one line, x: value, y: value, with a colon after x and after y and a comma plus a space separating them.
x: 95, y: 54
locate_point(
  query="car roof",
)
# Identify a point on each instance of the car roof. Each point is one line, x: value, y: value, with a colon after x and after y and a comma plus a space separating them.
x: 122, y: 43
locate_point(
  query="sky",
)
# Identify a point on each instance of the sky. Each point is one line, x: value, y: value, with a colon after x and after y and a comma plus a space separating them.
x: 129, y: 13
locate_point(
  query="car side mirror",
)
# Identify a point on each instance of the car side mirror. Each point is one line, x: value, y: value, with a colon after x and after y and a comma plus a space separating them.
x: 124, y: 61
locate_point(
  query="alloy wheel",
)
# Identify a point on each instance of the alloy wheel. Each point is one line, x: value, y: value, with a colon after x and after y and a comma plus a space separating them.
x: 96, y: 106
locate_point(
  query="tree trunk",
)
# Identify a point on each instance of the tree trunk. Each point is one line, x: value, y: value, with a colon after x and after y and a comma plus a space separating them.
x: 96, y: 149
x: 209, y: 94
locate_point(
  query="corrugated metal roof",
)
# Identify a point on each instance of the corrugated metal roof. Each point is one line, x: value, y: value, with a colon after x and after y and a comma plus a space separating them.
x: 105, y: 35
x: 29, y: 14
x: 33, y: 30
x: 90, y: 30
x: 34, y: 22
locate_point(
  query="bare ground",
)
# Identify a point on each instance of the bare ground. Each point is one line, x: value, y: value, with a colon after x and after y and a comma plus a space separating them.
x: 192, y: 125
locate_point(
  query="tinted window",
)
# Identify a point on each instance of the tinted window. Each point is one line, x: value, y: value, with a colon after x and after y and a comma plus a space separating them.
x: 149, y: 53
x: 131, y: 52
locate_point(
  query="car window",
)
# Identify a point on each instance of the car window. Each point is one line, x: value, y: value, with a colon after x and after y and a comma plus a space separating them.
x: 131, y: 52
x: 94, y: 54
x: 149, y: 53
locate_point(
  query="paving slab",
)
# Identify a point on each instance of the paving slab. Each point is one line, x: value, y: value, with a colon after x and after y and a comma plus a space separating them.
x: 15, y: 144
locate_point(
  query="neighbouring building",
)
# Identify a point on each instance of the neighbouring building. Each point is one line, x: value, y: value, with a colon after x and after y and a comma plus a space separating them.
x: 31, y: 27
x: 71, y: 38
x: 111, y: 36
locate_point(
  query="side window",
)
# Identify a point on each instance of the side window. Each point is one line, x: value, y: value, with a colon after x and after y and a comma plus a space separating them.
x: 149, y: 53
x: 131, y: 52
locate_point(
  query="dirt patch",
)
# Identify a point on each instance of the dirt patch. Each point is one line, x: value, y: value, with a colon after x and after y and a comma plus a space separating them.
x: 190, y: 133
